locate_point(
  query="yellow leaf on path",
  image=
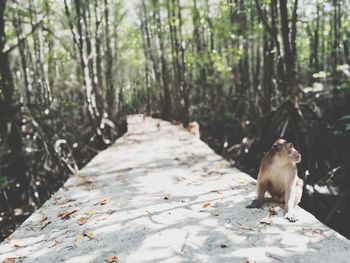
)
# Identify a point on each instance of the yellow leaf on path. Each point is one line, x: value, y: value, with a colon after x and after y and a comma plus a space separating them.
x: 67, y: 214
x: 88, y: 233
x: 90, y: 212
x: 82, y: 221
x: 112, y: 259
x: 206, y: 205
x: 240, y: 181
x: 219, y: 165
x: 78, y: 240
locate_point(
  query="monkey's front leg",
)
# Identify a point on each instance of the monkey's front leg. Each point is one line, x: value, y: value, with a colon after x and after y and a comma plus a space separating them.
x: 289, y: 205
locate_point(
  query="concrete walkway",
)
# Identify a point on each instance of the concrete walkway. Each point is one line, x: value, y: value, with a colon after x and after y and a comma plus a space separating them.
x: 159, y: 194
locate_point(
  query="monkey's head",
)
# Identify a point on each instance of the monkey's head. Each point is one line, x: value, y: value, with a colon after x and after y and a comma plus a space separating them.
x: 285, y: 152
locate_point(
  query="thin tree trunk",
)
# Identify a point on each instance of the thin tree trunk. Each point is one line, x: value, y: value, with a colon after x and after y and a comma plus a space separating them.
x: 289, y: 59
x: 111, y: 92
x: 9, y: 119
x: 166, y: 107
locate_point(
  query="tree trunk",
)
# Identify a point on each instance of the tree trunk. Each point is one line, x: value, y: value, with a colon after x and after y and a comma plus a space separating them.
x: 10, y: 120
x: 111, y: 92
x: 166, y: 107
x: 293, y: 89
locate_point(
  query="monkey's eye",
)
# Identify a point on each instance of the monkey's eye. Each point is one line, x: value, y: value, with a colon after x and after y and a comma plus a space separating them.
x: 275, y: 147
x: 291, y: 145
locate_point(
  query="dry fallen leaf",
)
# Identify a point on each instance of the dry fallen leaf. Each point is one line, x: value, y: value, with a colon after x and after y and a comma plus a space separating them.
x: 44, y: 222
x: 90, y: 212
x: 216, y: 191
x: 240, y: 181
x: 112, y: 211
x: 78, y: 240
x: 206, y: 205
x: 213, y: 171
x: 58, y: 201
x: 83, y: 180
x: 266, y: 220
x: 244, y: 226
x: 88, y: 233
x: 148, y: 212
x: 81, y: 221
x: 274, y: 210
x: 112, y: 259
x: 316, y: 231
x: 124, y: 169
x: 67, y: 214
x: 55, y: 243
x: 219, y: 165
x: 103, y: 201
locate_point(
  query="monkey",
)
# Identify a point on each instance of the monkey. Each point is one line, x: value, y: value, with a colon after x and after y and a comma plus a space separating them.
x: 278, y: 175
x: 176, y: 122
x: 193, y: 128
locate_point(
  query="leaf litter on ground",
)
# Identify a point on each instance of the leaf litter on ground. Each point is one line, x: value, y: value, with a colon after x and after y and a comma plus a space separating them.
x: 67, y: 214
x: 112, y: 259
x: 244, y: 226
x: 80, y: 238
x: 82, y: 220
x: 44, y: 222
x: 90, y: 212
x: 103, y: 201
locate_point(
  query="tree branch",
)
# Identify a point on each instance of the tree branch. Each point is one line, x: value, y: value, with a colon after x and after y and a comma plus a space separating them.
x: 22, y: 39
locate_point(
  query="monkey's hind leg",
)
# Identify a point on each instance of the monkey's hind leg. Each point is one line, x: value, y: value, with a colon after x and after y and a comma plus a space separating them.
x: 254, y: 204
x: 260, y: 189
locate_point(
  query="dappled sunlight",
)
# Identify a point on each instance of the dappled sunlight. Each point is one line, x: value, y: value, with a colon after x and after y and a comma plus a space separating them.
x: 263, y: 254
x: 163, y: 198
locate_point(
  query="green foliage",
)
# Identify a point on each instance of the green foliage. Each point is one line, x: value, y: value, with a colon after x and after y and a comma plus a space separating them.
x: 341, y: 127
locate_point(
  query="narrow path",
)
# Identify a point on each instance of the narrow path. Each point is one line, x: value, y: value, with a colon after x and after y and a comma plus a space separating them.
x: 159, y: 194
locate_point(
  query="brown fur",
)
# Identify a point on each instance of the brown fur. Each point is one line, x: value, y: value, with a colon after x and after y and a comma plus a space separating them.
x: 278, y: 176
x: 193, y: 128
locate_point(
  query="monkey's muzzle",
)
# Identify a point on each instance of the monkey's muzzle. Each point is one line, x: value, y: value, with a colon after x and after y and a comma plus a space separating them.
x: 296, y: 157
